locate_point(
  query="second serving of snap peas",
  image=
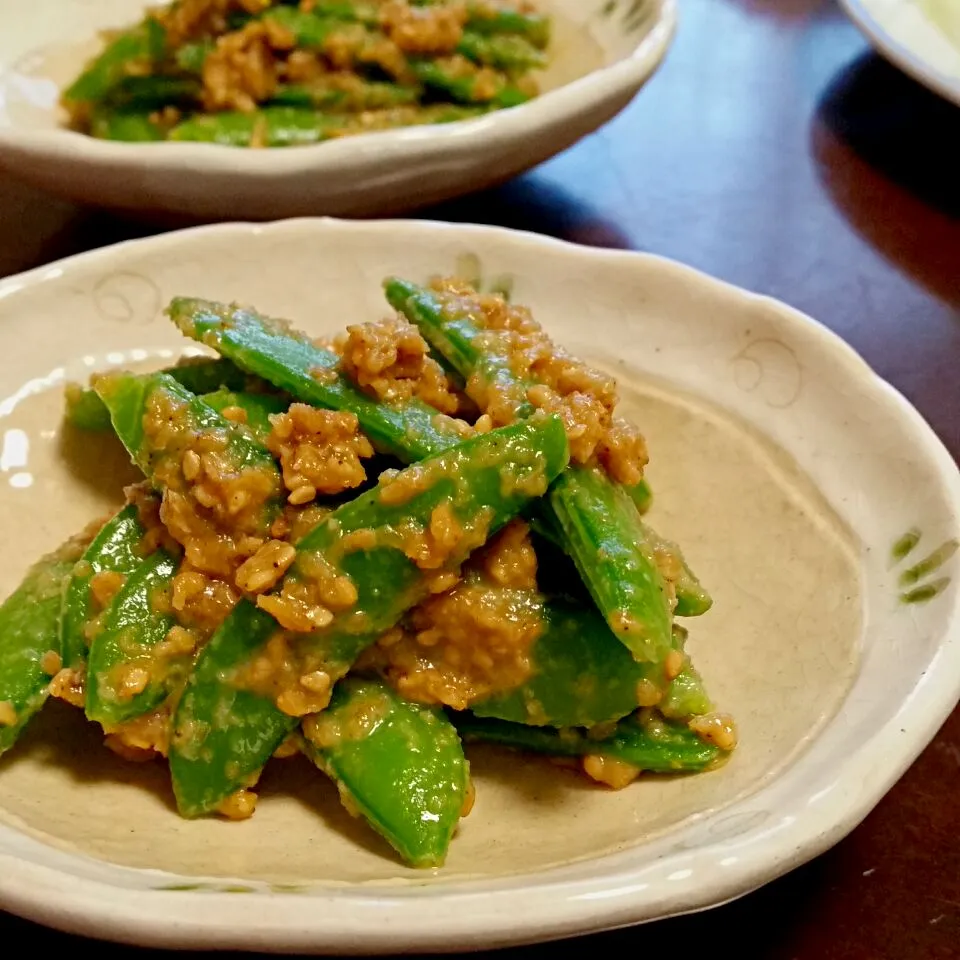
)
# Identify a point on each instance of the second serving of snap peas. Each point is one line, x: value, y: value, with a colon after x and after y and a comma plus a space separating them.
x: 423, y: 532
x: 280, y: 73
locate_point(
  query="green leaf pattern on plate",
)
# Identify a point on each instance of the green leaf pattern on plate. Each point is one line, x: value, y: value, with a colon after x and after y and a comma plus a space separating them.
x: 633, y: 14
x: 917, y: 582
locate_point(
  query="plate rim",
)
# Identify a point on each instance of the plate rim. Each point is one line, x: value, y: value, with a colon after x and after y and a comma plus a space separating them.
x: 899, y: 54
x: 429, y: 918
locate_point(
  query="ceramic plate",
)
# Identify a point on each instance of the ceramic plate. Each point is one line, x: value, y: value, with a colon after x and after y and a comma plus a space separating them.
x: 813, y: 501
x: 603, y: 52
x: 922, y: 37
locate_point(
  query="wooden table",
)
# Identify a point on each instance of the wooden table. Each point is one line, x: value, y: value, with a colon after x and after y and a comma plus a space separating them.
x: 775, y: 151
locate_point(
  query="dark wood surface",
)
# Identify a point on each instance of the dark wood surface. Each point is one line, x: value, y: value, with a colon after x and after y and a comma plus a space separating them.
x: 773, y: 150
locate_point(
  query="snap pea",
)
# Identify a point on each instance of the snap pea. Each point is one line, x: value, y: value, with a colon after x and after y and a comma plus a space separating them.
x: 124, y: 677
x: 457, y: 340
x: 190, y: 57
x: 289, y: 360
x: 115, y: 548
x: 361, y: 95
x: 467, y: 87
x: 595, y: 519
x: 270, y: 127
x: 648, y: 743
x: 153, y: 92
x: 286, y: 126
x: 604, y: 538
x: 127, y: 54
x: 484, y: 18
x: 642, y: 496
x: 486, y: 478
x: 128, y: 398
x: 160, y: 423
x: 398, y: 764
x: 504, y: 52
x: 30, y: 639
x: 490, y: 475
x: 310, y: 30
x: 272, y: 350
x: 129, y: 126
x: 345, y: 10
x: 348, y: 10
x: 258, y: 408
x: 85, y: 409
x: 692, y: 599
x: 222, y: 735
x: 583, y: 676
x: 685, y: 696
x: 487, y: 18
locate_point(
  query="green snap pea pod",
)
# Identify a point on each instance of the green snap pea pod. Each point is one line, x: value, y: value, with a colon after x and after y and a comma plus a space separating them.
x: 270, y: 127
x: 129, y: 398
x: 30, y: 639
x: 365, y: 13
x: 160, y: 423
x: 583, y: 676
x: 692, y: 599
x: 595, y: 519
x: 467, y: 87
x: 129, y: 126
x: 85, y: 409
x: 642, y: 496
x: 486, y: 19
x: 458, y: 338
x: 570, y: 670
x: 310, y: 30
x: 460, y: 342
x: 258, y: 407
x: 190, y: 56
x: 439, y: 113
x: 125, y: 678
x: 603, y: 536
x: 289, y: 360
x: 685, y: 696
x: 222, y: 735
x: 115, y: 548
x: 649, y: 744
x: 486, y: 479
x: 399, y: 765
x: 282, y: 126
x: 153, y: 92
x: 504, y: 52
x: 125, y: 55
x: 363, y: 95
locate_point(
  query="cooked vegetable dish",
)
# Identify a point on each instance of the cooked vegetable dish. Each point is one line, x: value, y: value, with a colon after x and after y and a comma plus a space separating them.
x: 426, y: 531
x: 275, y: 73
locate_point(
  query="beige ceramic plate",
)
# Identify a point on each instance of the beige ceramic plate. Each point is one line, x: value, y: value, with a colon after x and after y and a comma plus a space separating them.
x: 806, y: 492
x: 602, y: 53
x: 922, y: 37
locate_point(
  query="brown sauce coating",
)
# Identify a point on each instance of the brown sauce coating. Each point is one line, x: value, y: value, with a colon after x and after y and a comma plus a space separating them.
x: 320, y: 451
x: 474, y: 639
x: 391, y: 361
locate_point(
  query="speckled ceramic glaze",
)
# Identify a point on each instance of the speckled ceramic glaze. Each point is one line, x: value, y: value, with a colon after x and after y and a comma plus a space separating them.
x: 813, y: 501
x: 921, y: 37
x: 602, y: 53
